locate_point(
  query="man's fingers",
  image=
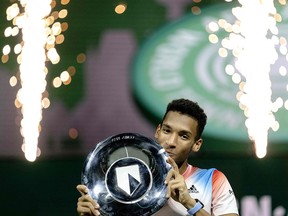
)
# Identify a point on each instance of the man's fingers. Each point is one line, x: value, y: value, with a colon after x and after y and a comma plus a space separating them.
x: 168, y: 193
x: 173, y: 164
x: 85, y: 211
x: 174, y: 172
x: 82, y: 189
x: 169, y: 176
x: 88, y: 198
x: 85, y: 197
x: 175, y: 185
x: 87, y: 205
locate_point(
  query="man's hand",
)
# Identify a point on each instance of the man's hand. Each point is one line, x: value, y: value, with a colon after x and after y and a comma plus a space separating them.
x: 176, y: 186
x: 86, y: 205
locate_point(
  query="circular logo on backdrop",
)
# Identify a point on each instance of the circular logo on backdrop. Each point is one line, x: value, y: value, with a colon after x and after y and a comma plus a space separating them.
x: 179, y: 61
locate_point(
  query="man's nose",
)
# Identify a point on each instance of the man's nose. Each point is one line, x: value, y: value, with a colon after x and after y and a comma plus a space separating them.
x: 172, y: 139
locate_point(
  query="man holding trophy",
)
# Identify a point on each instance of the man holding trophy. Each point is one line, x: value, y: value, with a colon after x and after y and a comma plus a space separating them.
x: 189, y: 190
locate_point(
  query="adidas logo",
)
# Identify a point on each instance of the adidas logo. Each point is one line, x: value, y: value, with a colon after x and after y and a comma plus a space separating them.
x: 193, y: 189
x: 231, y: 192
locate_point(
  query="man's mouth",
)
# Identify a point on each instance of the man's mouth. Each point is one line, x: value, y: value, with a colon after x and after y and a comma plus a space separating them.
x: 170, y: 153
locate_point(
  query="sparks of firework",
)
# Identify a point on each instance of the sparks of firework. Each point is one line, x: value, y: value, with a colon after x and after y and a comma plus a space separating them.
x: 252, y: 40
x: 40, y: 34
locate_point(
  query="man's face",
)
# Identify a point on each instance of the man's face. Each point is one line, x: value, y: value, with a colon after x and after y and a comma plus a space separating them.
x: 177, y: 136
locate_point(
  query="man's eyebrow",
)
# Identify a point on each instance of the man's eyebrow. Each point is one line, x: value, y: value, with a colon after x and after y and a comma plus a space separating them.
x: 166, y: 125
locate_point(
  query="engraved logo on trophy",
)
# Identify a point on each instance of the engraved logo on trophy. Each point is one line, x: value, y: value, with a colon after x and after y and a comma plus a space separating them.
x: 128, y: 178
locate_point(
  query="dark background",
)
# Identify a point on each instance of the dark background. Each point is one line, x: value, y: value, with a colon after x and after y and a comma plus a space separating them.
x: 99, y: 103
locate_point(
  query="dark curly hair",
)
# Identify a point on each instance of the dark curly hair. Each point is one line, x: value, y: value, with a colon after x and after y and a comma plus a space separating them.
x: 191, y: 109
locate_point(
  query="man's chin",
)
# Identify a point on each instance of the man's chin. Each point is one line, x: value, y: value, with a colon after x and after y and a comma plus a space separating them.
x: 171, y: 156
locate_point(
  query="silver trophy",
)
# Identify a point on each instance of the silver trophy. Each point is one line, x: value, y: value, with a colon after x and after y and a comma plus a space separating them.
x: 125, y: 174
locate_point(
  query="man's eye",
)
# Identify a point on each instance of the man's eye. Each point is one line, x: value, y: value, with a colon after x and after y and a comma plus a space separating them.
x: 185, y: 137
x: 166, y: 130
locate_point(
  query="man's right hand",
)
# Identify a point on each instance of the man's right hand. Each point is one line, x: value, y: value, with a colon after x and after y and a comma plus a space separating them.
x: 86, y: 205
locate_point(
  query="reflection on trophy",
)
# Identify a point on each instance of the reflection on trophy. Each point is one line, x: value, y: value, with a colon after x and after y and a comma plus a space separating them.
x: 125, y: 174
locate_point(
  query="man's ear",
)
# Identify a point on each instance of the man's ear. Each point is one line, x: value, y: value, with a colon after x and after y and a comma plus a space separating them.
x: 197, y: 145
x: 156, y: 135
